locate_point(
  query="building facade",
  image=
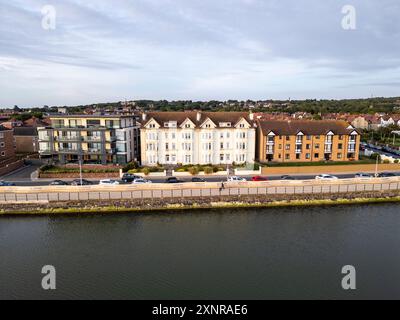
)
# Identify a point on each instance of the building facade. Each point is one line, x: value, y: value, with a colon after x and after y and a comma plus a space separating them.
x: 172, y: 138
x: 96, y: 139
x: 7, y: 144
x: 307, y: 141
x: 26, y: 140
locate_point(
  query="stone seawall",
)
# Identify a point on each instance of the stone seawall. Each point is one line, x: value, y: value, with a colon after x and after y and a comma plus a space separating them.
x: 146, y: 205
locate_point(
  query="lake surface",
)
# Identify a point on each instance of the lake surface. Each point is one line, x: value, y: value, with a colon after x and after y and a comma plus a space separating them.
x: 283, y: 253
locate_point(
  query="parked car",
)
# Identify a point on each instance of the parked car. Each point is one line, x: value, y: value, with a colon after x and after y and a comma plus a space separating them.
x: 259, y: 178
x: 59, y: 183
x: 287, y: 177
x: 196, y: 179
x: 236, y: 179
x: 78, y: 182
x: 326, y: 177
x: 6, y: 184
x: 386, y: 175
x: 141, y: 181
x: 108, y: 182
x: 363, y: 175
x: 129, y: 178
x: 173, y: 180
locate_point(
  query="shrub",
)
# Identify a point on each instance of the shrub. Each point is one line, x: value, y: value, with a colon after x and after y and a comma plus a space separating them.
x: 131, y: 166
x: 386, y: 161
x: 208, y: 170
x: 194, y: 171
x: 396, y: 161
x: 146, y: 171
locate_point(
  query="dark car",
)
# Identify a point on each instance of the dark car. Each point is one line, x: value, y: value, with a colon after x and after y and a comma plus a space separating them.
x: 259, y: 178
x: 78, y: 182
x: 129, y: 178
x: 386, y: 175
x: 6, y: 184
x: 195, y: 179
x: 173, y: 180
x: 59, y: 183
x: 286, y: 177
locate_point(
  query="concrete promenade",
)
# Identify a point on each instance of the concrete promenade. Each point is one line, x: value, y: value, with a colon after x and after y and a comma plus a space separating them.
x: 48, y: 194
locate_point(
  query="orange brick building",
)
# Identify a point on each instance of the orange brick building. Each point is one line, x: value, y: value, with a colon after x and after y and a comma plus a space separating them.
x: 306, y: 141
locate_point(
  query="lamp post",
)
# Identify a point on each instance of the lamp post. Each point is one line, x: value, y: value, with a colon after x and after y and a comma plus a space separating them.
x: 376, y: 166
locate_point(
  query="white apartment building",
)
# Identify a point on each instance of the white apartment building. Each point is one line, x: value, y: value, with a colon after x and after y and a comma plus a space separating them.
x: 171, y: 138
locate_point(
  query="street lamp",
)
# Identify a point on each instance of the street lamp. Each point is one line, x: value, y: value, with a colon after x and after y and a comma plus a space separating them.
x: 376, y: 166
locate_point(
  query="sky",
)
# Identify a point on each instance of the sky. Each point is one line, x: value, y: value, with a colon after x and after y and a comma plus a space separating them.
x: 115, y: 50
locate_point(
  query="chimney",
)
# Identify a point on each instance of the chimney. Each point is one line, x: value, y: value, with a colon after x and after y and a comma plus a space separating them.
x: 198, y: 116
x: 144, y: 116
x: 251, y: 116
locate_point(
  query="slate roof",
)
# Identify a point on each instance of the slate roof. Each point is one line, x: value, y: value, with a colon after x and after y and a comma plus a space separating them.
x: 311, y: 127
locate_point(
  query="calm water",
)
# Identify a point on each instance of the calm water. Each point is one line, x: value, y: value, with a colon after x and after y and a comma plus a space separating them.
x: 238, y: 254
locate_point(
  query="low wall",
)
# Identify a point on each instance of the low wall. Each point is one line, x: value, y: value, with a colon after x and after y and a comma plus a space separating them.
x: 8, y: 167
x: 239, y: 172
x: 329, y: 169
x: 152, y: 174
x: 202, y: 173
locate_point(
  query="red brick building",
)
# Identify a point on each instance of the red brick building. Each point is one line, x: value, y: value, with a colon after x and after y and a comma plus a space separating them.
x: 7, y: 144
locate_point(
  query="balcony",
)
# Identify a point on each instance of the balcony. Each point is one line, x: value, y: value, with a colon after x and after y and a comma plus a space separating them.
x: 46, y: 151
x: 92, y: 139
x: 298, y: 151
x: 69, y: 139
x: 93, y: 151
x: 68, y: 151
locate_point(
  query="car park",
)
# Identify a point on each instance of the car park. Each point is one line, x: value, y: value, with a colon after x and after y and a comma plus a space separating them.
x: 236, y: 179
x: 141, y: 181
x: 59, y: 183
x: 326, y: 177
x: 108, y: 182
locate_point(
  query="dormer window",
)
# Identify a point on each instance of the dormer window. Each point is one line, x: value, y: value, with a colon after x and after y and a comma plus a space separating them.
x: 152, y: 125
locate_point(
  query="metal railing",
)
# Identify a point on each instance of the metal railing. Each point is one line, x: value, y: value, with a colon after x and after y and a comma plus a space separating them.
x: 194, y: 190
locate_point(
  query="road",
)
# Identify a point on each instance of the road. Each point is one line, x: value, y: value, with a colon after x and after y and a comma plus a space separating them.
x: 28, y: 182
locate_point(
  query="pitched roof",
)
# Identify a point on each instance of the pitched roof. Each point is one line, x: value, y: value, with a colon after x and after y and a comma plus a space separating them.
x: 310, y: 127
x: 180, y: 117
x: 25, y: 131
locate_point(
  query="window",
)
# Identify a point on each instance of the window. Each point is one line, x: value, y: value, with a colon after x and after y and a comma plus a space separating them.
x: 3, y: 154
x: 340, y: 146
x: 339, y: 156
x: 167, y: 146
x: 221, y: 157
x: 308, y: 156
x: 287, y: 156
x: 317, y: 137
x: 287, y: 147
x: 308, y: 137
x: 1, y: 135
x: 2, y: 144
x: 308, y: 146
x: 298, y: 156
x: 317, y: 146
x: 316, y: 156
x: 287, y: 138
x: 341, y: 137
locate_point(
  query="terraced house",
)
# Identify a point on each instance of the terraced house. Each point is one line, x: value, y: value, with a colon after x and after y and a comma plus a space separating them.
x: 171, y: 138
x: 96, y: 139
x: 307, y: 141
